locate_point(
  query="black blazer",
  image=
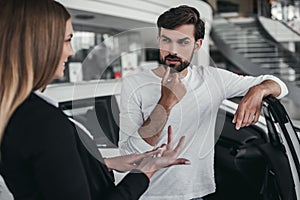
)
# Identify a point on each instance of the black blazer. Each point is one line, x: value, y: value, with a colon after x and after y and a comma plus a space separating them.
x: 44, y: 158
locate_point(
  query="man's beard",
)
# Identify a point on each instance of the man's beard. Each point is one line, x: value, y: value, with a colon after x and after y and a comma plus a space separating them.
x: 175, y: 68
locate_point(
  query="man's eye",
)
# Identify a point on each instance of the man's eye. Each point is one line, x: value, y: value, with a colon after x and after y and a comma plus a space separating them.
x: 165, y: 40
x: 184, y: 42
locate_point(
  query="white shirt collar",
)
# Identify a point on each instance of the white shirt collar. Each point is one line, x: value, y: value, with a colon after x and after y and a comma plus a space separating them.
x: 46, y: 98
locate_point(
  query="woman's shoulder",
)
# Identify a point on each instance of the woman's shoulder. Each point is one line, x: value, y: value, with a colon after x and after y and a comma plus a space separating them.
x: 34, y: 108
x: 38, y: 125
x: 35, y: 114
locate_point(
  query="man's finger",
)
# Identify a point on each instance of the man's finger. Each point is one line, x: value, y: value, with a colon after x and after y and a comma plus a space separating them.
x: 176, y: 77
x: 236, y: 114
x: 247, y: 119
x: 166, y: 76
x: 239, y: 118
x: 257, y: 114
x: 256, y: 118
x: 234, y: 117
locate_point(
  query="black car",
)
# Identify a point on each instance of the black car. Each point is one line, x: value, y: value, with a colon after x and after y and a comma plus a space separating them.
x: 258, y: 162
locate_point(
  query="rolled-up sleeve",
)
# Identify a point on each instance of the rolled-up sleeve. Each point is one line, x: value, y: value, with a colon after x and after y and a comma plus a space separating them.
x: 283, y: 87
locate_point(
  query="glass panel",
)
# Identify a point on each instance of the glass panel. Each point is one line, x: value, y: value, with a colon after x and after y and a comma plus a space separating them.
x: 102, y: 54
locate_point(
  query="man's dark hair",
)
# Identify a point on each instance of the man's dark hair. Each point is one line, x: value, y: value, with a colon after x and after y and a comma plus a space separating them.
x: 181, y: 15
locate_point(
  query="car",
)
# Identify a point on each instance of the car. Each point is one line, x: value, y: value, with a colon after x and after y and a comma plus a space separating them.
x: 258, y: 162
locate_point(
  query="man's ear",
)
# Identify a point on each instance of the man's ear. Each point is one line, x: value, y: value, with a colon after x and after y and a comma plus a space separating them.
x: 198, y: 44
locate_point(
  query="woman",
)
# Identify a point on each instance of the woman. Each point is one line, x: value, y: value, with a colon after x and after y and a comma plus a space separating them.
x: 42, y: 155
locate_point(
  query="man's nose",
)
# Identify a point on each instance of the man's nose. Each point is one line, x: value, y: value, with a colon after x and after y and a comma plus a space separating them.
x: 173, y: 48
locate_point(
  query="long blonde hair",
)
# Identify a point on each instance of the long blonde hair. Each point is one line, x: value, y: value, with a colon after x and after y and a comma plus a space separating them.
x: 31, y: 42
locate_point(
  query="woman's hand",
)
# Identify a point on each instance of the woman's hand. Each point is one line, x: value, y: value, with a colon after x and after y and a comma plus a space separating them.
x: 151, y: 161
x: 124, y: 163
x: 129, y: 162
x: 165, y: 157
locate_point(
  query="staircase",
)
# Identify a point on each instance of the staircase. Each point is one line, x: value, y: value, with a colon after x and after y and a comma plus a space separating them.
x: 247, y: 45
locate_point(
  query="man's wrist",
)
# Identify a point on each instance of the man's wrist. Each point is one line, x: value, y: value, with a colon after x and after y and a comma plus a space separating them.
x: 262, y: 89
x: 165, y: 106
x: 269, y: 87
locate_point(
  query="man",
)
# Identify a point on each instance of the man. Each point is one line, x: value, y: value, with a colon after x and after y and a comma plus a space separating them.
x: 187, y: 97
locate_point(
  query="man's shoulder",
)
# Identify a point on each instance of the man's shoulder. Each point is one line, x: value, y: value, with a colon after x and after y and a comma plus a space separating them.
x: 205, y: 70
x: 210, y: 73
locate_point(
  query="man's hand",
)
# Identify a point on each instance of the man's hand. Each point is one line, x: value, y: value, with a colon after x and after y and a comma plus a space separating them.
x: 249, y: 108
x: 172, y: 90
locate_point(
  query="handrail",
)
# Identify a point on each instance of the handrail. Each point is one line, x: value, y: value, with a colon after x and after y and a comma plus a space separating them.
x: 285, y: 24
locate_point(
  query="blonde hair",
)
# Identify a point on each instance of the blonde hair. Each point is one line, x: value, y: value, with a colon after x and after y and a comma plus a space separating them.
x: 31, y: 41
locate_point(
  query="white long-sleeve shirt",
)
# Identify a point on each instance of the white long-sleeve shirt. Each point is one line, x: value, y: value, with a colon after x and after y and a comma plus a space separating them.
x: 194, y: 116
